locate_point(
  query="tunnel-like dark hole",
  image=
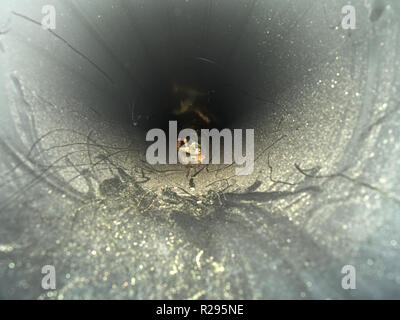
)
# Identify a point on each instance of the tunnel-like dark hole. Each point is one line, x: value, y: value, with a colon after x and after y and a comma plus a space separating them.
x: 77, y: 101
x: 223, y: 72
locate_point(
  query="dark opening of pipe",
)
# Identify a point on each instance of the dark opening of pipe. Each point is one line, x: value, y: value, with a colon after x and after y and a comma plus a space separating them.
x: 77, y: 192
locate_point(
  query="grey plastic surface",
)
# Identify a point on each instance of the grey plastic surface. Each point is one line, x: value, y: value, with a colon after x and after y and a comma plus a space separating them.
x: 75, y: 192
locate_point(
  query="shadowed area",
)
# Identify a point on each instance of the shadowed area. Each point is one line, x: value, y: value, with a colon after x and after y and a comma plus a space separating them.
x: 76, y: 190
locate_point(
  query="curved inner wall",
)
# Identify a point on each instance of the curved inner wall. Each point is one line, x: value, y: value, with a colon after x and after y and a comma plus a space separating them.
x: 78, y: 191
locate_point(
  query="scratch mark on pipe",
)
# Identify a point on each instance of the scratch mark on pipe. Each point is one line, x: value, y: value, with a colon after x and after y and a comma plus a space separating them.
x: 81, y: 54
